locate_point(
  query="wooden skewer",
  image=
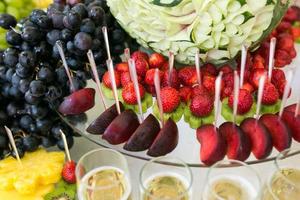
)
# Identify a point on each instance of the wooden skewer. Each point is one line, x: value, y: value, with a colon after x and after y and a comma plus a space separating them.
x: 261, y: 86
x: 217, y: 103
x: 286, y: 92
x: 159, y: 102
x: 127, y: 54
x: 64, y: 61
x: 113, y: 83
x: 96, y: 76
x: 171, y: 67
x: 13, y: 144
x: 63, y: 136
x: 243, y: 64
x: 134, y: 79
x: 197, y: 63
x: 271, y: 57
x: 104, y: 31
x: 235, y: 96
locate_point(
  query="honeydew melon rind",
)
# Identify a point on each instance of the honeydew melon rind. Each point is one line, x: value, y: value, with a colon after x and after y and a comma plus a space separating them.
x: 196, y: 122
x: 108, y: 93
x: 216, y: 28
x: 175, y: 115
x: 272, y: 109
x: 147, y: 102
x: 227, y: 112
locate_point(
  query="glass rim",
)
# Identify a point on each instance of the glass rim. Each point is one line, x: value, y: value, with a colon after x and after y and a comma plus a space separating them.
x: 238, y: 164
x: 287, y: 153
x: 156, y: 160
x: 87, y: 186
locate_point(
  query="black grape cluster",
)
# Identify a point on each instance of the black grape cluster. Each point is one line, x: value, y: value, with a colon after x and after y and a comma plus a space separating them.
x: 33, y: 81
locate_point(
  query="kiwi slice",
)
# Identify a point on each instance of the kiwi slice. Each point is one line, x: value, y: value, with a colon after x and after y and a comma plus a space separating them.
x: 273, y: 109
x: 108, y: 93
x: 227, y: 112
x: 175, y: 115
x: 60, y: 194
x: 62, y: 191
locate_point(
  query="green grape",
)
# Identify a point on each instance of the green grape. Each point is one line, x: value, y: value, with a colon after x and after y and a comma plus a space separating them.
x: 13, y: 11
x: 14, y: 3
x: 2, y: 7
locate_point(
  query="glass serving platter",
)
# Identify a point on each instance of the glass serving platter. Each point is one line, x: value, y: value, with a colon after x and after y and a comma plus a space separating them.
x: 188, y: 148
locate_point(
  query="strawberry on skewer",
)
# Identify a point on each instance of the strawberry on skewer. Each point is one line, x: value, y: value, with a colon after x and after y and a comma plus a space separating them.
x: 68, y: 172
x: 170, y: 98
x: 246, y: 105
x: 199, y: 109
x: 270, y: 100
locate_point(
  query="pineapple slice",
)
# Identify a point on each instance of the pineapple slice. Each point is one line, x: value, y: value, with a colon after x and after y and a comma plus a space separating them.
x: 39, y: 168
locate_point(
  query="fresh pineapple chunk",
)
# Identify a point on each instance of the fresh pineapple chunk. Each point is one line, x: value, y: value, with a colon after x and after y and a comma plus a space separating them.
x: 39, y: 168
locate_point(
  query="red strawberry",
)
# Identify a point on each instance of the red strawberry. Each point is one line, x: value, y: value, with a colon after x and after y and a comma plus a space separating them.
x: 185, y: 94
x: 156, y: 60
x: 68, y: 172
x: 226, y: 69
x: 106, y: 79
x: 165, y: 66
x: 295, y: 31
x: 170, y: 99
x: 125, y: 79
x: 137, y: 55
x: 199, y: 90
x: 282, y: 58
x: 149, y: 78
x: 292, y: 14
x: 141, y: 67
x: 270, y: 94
x: 129, y: 96
x: 248, y: 86
x: 245, y: 101
x: 188, y: 76
x: 277, y: 76
x: 174, y: 82
x: 209, y: 69
x: 283, y: 26
x: 258, y: 62
x: 255, y: 76
x: 209, y: 83
x: 122, y: 67
x: 202, y: 105
x: 247, y: 74
x: 281, y: 87
x: 226, y: 92
x: 285, y: 43
x: 293, y: 52
x: 249, y: 62
x: 151, y: 89
x: 228, y: 80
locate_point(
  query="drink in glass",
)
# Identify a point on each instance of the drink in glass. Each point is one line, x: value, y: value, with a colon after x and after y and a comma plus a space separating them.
x: 239, y: 182
x: 284, y: 182
x: 103, y: 175
x: 159, y: 181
